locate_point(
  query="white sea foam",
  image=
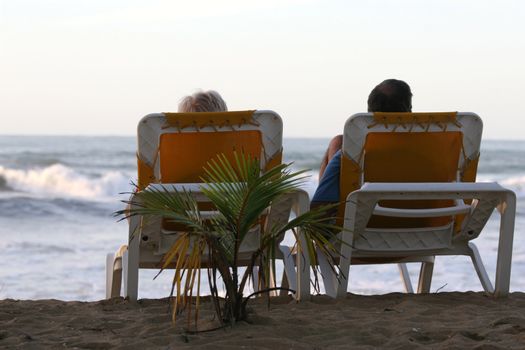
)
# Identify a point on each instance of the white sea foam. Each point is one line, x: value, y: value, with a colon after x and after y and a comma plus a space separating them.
x: 514, y: 182
x: 518, y: 182
x: 60, y: 180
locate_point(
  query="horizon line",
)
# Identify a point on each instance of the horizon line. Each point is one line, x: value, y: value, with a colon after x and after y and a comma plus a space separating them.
x: 133, y: 135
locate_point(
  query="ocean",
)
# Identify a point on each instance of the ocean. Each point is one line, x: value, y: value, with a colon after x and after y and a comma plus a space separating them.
x: 58, y: 195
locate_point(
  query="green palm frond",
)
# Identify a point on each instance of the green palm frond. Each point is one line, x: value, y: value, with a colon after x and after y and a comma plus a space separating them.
x: 178, y: 207
x: 241, y: 194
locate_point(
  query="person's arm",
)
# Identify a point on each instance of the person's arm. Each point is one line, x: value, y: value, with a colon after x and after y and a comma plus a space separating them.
x: 335, y: 145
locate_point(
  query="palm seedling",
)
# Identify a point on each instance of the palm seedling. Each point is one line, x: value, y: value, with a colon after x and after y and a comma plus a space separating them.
x: 241, y: 195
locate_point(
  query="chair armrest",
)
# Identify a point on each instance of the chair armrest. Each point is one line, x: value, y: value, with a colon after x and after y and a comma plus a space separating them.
x: 422, y: 213
x: 194, y: 188
x: 431, y: 190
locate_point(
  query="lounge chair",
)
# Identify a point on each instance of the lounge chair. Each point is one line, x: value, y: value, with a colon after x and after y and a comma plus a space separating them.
x: 409, y: 184
x: 173, y: 148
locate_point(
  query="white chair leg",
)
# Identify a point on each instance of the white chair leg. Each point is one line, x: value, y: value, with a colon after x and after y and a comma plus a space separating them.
x: 273, y: 284
x: 480, y: 268
x: 131, y: 267
x: 114, y: 272
x: 125, y: 269
x: 110, y: 258
x: 329, y: 276
x: 130, y: 258
x: 289, y: 267
x: 425, y: 276
x: 405, y: 276
x: 284, y: 284
x: 255, y: 279
x: 506, y: 237
x: 302, y: 259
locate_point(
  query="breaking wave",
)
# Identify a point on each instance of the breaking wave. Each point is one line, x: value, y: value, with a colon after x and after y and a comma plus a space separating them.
x: 517, y: 184
x: 62, y: 181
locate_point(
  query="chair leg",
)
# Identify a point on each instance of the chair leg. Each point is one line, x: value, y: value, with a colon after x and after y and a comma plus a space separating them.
x: 130, y: 264
x: 289, y: 267
x: 109, y: 274
x: 480, y: 268
x: 302, y: 258
x: 125, y: 269
x: 284, y: 284
x: 255, y: 279
x: 405, y: 276
x: 507, y: 210
x: 272, y: 284
x: 329, y: 276
x: 425, y: 276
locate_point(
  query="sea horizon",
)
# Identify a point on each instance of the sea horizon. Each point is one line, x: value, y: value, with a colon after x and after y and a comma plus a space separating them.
x: 67, y: 135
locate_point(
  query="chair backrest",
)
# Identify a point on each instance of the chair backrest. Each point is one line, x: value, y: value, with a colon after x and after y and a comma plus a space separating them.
x: 174, y: 147
x: 409, y: 147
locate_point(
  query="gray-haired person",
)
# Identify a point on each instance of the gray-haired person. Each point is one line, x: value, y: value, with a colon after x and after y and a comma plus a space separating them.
x: 203, y: 101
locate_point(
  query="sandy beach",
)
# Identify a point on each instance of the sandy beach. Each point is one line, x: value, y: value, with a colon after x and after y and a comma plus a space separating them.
x: 394, y: 321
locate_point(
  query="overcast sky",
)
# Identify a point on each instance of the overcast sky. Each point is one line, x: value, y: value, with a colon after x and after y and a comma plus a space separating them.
x: 98, y: 66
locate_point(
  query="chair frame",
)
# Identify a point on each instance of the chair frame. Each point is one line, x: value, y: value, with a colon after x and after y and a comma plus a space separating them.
x: 146, y: 240
x: 422, y: 244
x: 363, y: 203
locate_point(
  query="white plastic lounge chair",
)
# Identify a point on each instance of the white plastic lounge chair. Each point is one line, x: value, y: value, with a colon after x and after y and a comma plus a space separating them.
x: 173, y: 148
x: 408, y: 180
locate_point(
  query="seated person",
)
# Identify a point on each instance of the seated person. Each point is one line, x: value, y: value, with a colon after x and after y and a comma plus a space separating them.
x: 390, y: 96
x: 203, y: 101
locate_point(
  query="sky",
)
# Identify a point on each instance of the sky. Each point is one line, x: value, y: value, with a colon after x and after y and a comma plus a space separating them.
x: 95, y: 67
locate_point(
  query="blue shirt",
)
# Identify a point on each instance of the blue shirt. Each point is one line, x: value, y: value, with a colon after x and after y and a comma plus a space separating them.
x: 328, y: 189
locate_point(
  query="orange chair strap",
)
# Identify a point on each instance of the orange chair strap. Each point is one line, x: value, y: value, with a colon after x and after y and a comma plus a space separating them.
x: 351, y: 171
x: 276, y: 160
x: 213, y: 119
x: 146, y: 175
x: 469, y: 169
x: 415, y: 118
x: 468, y: 174
x: 183, y: 156
x: 348, y: 183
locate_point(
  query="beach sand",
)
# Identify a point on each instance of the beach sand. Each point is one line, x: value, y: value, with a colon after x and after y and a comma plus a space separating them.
x: 394, y: 321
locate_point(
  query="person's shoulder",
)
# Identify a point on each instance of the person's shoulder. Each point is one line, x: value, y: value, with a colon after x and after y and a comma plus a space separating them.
x: 336, y: 142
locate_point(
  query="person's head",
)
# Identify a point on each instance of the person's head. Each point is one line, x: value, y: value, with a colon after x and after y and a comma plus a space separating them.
x: 203, y: 101
x: 390, y: 96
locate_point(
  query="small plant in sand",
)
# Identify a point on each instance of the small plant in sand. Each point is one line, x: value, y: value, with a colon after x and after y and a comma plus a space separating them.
x: 241, y: 195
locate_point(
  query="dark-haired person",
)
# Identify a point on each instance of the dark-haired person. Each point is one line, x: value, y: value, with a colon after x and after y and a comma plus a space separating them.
x: 389, y: 96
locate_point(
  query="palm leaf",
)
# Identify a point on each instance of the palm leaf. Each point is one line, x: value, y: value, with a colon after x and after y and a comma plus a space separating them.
x: 241, y: 193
